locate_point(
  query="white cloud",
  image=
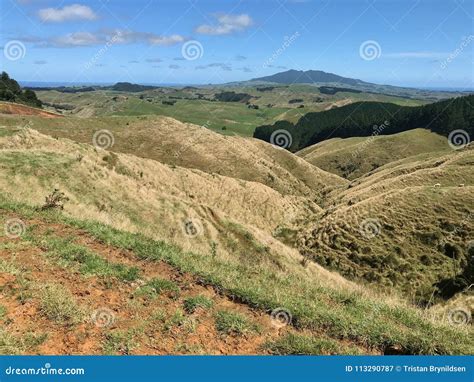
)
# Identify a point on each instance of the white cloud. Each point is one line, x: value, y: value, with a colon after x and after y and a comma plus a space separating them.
x: 76, y: 39
x: 166, y: 40
x: 432, y: 55
x: 116, y: 36
x: 226, y: 24
x: 68, y: 13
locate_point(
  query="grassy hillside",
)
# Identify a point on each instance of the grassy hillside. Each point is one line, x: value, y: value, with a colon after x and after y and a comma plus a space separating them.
x: 405, y: 226
x: 240, y: 234
x: 353, y: 157
x: 369, y: 118
x: 105, y: 300
x: 174, y: 143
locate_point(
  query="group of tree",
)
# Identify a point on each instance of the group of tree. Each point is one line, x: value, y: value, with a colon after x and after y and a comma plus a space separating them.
x: 11, y: 91
x: 365, y: 118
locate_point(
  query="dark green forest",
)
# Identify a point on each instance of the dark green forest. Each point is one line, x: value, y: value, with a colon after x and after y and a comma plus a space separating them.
x: 364, y: 118
x: 11, y: 91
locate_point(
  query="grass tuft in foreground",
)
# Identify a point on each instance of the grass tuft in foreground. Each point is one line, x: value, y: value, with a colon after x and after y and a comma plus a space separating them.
x: 232, y: 323
x: 191, y: 304
x: 58, y: 305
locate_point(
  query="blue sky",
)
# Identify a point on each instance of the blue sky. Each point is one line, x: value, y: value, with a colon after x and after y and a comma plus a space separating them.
x: 420, y: 43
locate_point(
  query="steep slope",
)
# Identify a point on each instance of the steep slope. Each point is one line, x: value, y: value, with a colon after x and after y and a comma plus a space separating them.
x: 72, y: 286
x: 225, y: 227
x: 407, y: 225
x: 180, y: 144
x: 65, y: 291
x: 353, y: 157
x: 140, y: 194
x: 362, y: 119
x: 18, y: 109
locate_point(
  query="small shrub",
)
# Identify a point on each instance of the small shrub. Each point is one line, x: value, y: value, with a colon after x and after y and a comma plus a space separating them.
x: 55, y: 200
x: 193, y: 303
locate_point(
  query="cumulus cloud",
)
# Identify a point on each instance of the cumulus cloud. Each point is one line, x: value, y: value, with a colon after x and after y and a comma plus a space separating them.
x: 174, y: 66
x: 226, y: 24
x: 40, y: 62
x: 68, y: 13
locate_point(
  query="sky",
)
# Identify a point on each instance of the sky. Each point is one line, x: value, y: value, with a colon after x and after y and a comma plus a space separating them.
x: 415, y: 43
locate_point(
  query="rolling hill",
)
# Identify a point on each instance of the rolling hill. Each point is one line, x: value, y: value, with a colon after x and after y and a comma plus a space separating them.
x: 363, y: 119
x: 406, y: 225
x: 354, y: 157
x: 144, y: 229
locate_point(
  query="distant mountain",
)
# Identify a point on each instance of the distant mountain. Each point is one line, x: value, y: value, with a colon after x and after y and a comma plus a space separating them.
x: 362, y: 119
x: 309, y: 76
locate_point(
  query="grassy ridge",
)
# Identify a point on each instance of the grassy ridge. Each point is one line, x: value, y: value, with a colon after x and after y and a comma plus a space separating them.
x: 340, y: 314
x: 358, y: 120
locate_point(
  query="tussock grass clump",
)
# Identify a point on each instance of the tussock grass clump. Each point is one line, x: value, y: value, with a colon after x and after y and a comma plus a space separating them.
x: 233, y: 323
x: 119, y: 342
x: 9, y: 267
x: 9, y: 344
x: 59, y: 305
x: 3, y: 312
x: 13, y: 345
x: 191, y: 304
x: 157, y: 286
